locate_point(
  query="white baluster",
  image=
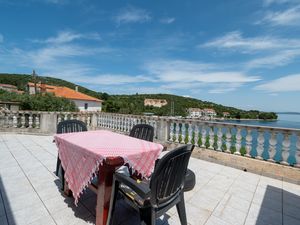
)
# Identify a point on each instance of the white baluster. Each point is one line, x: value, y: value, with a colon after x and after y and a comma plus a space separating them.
x: 211, y: 137
x: 220, y: 136
x: 88, y: 120
x: 285, y: 148
x: 260, y: 144
x: 155, y: 128
x: 298, y: 151
x: 58, y: 118
x: 30, y: 121
x: 238, y: 144
x: 37, y: 121
x: 272, y: 147
x: 228, y: 140
x: 11, y: 120
x: 203, y: 138
x: 190, y: 133
x: 196, y: 137
x: 183, y: 133
x: 171, y: 131
x: 23, y: 120
x: 248, y: 142
x: 15, y: 121
x: 177, y: 130
x: 66, y: 116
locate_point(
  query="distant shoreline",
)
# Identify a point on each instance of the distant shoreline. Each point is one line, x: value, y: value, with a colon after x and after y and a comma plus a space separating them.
x: 231, y: 119
x: 289, y: 113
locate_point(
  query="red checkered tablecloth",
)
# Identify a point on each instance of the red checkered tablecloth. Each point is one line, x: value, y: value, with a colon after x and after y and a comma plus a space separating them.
x: 81, y: 153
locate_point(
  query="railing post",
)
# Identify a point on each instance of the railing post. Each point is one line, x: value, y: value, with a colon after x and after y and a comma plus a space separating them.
x: 48, y: 122
x: 94, y: 120
x: 162, y: 129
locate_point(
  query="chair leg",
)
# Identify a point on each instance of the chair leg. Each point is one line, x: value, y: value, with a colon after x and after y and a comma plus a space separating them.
x: 181, y: 211
x: 57, y: 166
x: 147, y: 216
x: 114, y: 194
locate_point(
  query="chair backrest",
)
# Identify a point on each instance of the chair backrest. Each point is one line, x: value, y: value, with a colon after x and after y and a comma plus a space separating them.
x: 167, y: 180
x: 142, y: 131
x: 70, y: 126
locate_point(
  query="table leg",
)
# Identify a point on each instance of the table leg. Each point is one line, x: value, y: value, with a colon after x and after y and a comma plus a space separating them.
x: 105, y: 178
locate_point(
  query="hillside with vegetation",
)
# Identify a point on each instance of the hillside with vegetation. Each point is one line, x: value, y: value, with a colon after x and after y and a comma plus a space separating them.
x: 134, y: 104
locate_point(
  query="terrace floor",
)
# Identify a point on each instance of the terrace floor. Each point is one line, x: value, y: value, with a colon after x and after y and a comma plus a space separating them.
x: 222, y: 195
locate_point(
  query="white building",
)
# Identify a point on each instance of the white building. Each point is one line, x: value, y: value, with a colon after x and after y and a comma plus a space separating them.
x: 210, y: 112
x: 195, y: 112
x: 82, y: 101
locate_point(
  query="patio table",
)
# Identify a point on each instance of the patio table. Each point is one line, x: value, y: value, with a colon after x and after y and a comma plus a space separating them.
x: 84, y: 155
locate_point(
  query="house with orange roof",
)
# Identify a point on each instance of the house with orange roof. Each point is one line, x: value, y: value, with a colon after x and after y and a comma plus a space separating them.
x: 10, y: 88
x: 82, y: 101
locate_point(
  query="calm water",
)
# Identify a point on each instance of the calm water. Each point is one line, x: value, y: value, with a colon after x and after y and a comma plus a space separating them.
x: 284, y: 120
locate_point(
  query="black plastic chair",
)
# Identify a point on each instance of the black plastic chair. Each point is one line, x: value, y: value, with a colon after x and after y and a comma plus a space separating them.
x: 67, y: 126
x: 142, y: 131
x: 164, y: 190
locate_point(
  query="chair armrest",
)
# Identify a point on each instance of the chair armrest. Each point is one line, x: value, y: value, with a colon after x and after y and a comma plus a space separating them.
x: 142, y: 189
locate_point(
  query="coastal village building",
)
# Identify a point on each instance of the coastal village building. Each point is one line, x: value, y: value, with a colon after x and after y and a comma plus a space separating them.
x: 6, y: 105
x: 202, y: 113
x: 82, y: 101
x: 195, y: 112
x: 10, y: 88
x: 226, y: 114
x: 155, y: 102
x: 210, y: 112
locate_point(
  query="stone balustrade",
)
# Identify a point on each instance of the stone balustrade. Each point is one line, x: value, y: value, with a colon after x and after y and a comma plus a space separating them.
x: 277, y: 145
x: 19, y: 119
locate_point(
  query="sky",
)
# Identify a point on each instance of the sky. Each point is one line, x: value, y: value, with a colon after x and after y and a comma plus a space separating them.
x: 237, y: 53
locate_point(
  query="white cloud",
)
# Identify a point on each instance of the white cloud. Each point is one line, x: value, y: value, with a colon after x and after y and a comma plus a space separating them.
x: 235, y: 40
x: 280, y: 58
x: 1, y: 38
x: 179, y: 74
x: 132, y: 15
x: 69, y: 36
x: 287, y: 83
x: 288, y: 17
x: 167, y: 20
x: 114, y: 79
x: 267, y: 51
x: 270, y: 2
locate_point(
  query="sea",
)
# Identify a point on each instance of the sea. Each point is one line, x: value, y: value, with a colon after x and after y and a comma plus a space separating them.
x: 284, y: 120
